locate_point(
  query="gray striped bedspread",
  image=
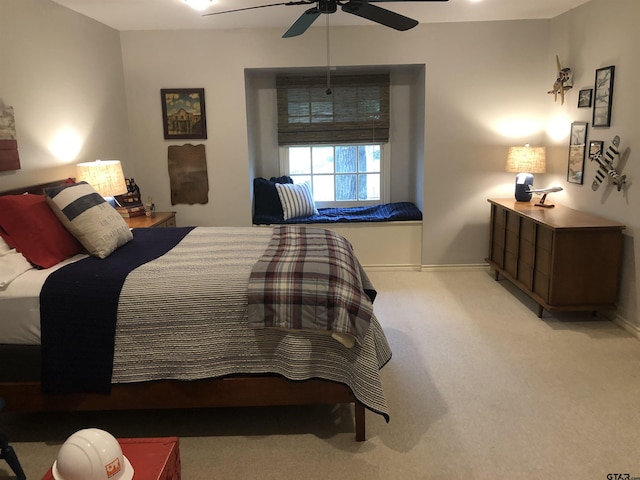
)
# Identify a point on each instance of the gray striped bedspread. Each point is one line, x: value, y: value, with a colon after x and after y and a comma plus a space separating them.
x: 193, y: 323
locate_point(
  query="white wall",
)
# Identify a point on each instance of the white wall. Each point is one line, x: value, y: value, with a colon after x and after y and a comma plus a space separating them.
x: 598, y: 34
x: 62, y: 73
x: 467, y: 93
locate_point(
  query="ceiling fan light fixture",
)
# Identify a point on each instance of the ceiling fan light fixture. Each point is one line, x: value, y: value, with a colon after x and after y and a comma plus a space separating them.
x: 327, y: 6
x: 360, y: 8
x: 200, y: 5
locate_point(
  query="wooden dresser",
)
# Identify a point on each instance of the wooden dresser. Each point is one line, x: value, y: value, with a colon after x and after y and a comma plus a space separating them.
x: 564, y: 259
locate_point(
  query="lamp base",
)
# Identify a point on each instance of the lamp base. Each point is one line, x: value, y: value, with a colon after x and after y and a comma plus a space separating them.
x: 523, y: 182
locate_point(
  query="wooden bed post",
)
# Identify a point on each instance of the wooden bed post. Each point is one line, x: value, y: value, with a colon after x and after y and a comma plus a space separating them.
x: 360, y: 421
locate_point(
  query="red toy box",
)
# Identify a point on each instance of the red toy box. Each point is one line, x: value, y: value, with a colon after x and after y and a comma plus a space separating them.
x: 151, y: 458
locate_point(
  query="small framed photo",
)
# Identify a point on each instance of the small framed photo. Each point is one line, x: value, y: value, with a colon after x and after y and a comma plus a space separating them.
x: 577, y: 150
x: 596, y: 147
x: 183, y: 113
x: 584, y: 98
x: 603, y: 97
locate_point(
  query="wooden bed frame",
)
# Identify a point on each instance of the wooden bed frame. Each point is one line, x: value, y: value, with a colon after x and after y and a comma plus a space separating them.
x: 235, y: 391
x: 232, y: 391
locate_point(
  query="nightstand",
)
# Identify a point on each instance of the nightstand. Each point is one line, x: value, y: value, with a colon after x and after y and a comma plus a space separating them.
x: 161, y: 220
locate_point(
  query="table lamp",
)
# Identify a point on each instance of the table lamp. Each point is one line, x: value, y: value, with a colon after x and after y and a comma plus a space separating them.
x: 105, y: 176
x: 525, y: 161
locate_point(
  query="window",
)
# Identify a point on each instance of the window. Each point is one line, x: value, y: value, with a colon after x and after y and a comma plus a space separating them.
x: 335, y: 141
x: 339, y: 175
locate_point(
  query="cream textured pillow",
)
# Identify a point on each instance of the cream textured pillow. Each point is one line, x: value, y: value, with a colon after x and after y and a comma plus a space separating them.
x: 296, y: 200
x: 96, y: 224
x: 12, y: 265
x: 4, y: 247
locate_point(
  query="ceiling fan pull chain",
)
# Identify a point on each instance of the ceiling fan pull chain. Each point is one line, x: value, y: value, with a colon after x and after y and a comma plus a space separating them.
x: 328, y: 91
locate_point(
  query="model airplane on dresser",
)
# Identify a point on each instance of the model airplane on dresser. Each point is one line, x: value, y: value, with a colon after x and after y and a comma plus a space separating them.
x: 544, y: 192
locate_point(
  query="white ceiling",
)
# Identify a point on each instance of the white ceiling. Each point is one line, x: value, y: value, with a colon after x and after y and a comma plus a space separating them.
x: 176, y: 15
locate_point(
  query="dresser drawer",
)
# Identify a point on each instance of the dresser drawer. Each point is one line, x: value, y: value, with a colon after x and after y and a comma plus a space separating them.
x: 544, y: 238
x: 541, y: 285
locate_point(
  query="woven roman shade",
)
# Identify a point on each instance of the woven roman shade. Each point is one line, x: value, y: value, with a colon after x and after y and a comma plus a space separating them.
x: 356, y: 111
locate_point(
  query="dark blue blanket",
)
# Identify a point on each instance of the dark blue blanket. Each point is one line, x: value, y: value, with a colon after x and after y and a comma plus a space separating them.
x: 78, y: 312
x: 388, y: 212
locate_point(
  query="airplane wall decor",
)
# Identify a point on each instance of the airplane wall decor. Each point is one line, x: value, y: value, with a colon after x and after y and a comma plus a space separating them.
x: 608, y: 165
x: 564, y: 82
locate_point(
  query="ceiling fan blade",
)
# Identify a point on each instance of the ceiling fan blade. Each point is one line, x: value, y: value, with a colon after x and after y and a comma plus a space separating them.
x: 300, y: 2
x: 379, y: 15
x: 303, y: 22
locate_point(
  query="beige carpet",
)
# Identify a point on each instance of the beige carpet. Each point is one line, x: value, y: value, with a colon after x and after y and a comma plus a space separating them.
x: 479, y: 388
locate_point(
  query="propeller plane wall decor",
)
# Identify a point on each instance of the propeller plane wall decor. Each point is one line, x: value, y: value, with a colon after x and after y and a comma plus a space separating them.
x: 361, y: 8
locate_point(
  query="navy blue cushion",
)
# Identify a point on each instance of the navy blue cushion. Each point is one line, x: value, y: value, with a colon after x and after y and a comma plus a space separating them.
x: 265, y: 197
x: 387, y: 212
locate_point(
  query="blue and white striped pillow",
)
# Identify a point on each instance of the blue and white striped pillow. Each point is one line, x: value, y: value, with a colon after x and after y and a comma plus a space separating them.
x: 296, y: 200
x: 96, y: 224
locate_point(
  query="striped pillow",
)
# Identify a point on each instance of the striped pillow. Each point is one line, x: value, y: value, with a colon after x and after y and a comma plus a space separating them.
x: 296, y: 200
x: 96, y: 224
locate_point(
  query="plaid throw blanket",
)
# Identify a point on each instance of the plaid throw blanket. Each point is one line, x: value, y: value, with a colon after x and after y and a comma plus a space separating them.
x: 309, y: 278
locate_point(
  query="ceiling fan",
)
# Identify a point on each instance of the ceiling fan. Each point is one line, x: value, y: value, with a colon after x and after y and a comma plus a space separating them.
x: 361, y: 8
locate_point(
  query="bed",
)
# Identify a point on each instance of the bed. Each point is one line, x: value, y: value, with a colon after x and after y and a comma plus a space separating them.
x: 182, y: 335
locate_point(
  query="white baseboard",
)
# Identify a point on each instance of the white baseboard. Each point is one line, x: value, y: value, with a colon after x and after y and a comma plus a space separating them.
x: 626, y: 325
x: 426, y: 268
x: 454, y: 268
x: 391, y: 268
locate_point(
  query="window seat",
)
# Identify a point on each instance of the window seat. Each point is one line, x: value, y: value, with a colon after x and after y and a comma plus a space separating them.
x: 388, y: 212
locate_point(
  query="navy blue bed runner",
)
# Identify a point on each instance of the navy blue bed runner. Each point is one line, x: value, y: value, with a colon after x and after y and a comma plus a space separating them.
x: 78, y: 312
x: 387, y: 212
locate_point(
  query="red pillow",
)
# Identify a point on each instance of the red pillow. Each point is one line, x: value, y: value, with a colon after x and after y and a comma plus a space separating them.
x: 31, y: 227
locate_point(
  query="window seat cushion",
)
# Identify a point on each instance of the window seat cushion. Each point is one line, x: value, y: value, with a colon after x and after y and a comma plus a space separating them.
x: 388, y: 212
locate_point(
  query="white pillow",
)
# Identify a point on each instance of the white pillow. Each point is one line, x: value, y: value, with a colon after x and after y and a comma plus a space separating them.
x: 12, y: 265
x: 96, y: 224
x: 4, y: 247
x: 296, y: 200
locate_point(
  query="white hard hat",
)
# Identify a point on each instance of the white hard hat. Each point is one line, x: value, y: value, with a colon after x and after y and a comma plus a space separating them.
x: 91, y: 454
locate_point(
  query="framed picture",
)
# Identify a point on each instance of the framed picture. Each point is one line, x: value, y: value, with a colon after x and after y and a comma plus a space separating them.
x: 183, y: 113
x: 603, y: 97
x: 595, y: 147
x: 584, y: 98
x: 577, y: 150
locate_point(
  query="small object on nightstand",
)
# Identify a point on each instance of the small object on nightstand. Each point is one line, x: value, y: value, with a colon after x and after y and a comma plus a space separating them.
x: 150, y: 208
